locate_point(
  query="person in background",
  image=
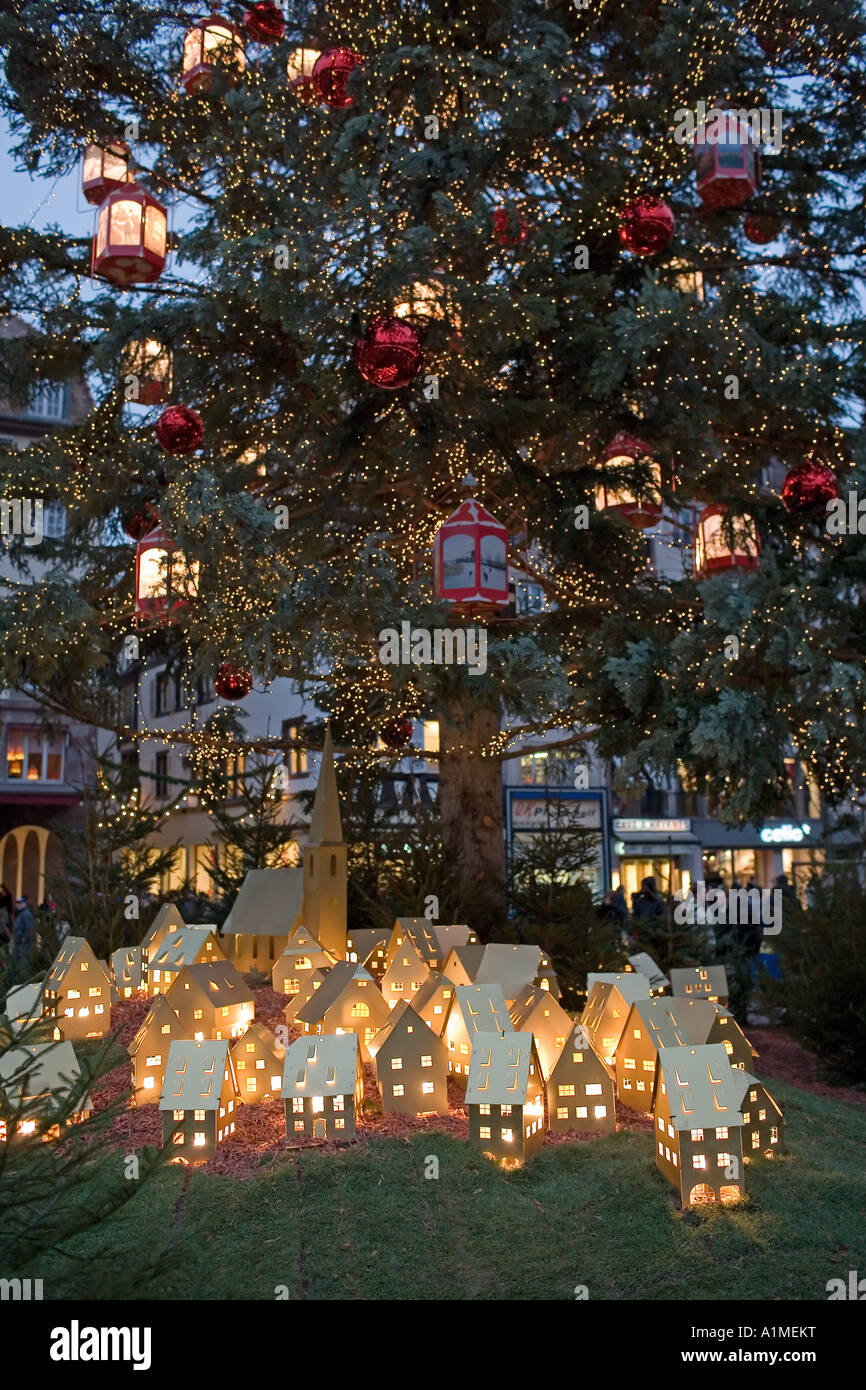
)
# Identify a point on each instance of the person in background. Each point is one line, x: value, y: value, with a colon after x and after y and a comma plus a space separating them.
x: 22, y: 931
x: 648, y: 903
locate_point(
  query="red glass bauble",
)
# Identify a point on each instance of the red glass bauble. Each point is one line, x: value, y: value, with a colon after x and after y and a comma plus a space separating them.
x: 232, y: 682
x: 331, y: 74
x: 646, y: 226
x: 140, y: 521
x: 809, y: 486
x: 397, y: 732
x: 762, y: 227
x: 264, y: 22
x: 179, y: 430
x: 509, y: 228
x: 389, y: 354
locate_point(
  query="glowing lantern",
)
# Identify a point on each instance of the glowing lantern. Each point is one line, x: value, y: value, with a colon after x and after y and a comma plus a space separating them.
x: 147, y: 368
x: 300, y: 72
x: 426, y: 302
x: 212, y: 43
x: 164, y: 580
x: 640, y: 509
x: 131, y: 237
x: 470, y: 557
x: 106, y: 167
x: 727, y: 161
x: 722, y: 544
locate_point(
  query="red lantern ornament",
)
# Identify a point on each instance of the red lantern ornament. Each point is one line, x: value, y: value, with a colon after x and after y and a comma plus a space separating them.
x: 397, y: 732
x: 470, y: 557
x: 212, y: 43
x: 389, y: 354
x: 164, y: 581
x: 331, y: 74
x: 809, y: 486
x: 724, y: 545
x: 509, y: 227
x: 300, y: 68
x: 106, y: 167
x: 641, y: 509
x: 727, y: 160
x: 130, y: 245
x: 264, y: 22
x: 232, y: 682
x: 646, y: 226
x: 179, y: 430
x: 140, y: 521
x: 762, y: 227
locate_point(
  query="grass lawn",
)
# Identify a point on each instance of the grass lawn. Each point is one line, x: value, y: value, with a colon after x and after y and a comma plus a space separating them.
x: 366, y: 1224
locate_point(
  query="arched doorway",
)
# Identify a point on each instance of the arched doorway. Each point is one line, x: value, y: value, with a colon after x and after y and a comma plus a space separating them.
x: 701, y: 1192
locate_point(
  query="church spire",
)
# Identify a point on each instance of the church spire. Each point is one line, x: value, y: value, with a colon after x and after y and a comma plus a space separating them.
x: 325, y: 825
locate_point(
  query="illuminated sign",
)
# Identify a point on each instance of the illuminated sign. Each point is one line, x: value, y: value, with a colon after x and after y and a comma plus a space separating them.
x: 650, y: 827
x: 785, y: 834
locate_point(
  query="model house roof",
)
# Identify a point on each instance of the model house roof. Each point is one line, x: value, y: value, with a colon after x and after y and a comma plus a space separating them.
x: 453, y: 935
x: 702, y: 1088
x: 429, y: 987
x: 41, y: 1071
x: 402, y: 1019
x: 73, y: 950
x: 159, y: 1015
x: 302, y: 940
x: 744, y: 1081
x: 168, y: 917
x: 693, y: 980
x: 365, y: 941
x: 182, y: 947
x: 126, y: 966
x: 699, y: 1015
x: 499, y: 1069
x: 216, y: 981
x: 631, y: 984
x: 268, y: 903
x: 664, y: 1026
x: 466, y: 957
x: 418, y: 930
x: 512, y: 967
x: 338, y: 978
x: 260, y: 1035
x: 321, y: 1066
x: 23, y: 1004
x: 645, y: 965
x: 482, y: 1008
x: 579, y: 1040
x: 194, y: 1075
x: 325, y: 825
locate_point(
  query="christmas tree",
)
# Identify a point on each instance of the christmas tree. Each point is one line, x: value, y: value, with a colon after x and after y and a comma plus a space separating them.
x: 569, y: 320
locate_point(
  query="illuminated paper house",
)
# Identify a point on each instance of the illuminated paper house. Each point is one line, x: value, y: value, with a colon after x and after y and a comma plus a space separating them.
x: 698, y: 1125
x: 199, y: 1098
x: 700, y: 982
x: 763, y: 1122
x: 348, y: 1001
x: 41, y: 1089
x: 510, y: 967
x: 607, y: 1008
x: 323, y: 1085
x: 411, y: 1065
x: 189, y: 946
x: 325, y: 868
x: 268, y: 908
x: 462, y: 962
x: 433, y: 1001
x: 166, y: 921
x: 127, y: 968
x: 432, y: 942
x: 710, y: 1023
x: 505, y: 1098
x: 303, y: 996
x: 450, y: 935
x: 77, y: 993
x: 405, y: 974
x: 213, y: 1002
x: 258, y: 1059
x: 148, y: 1051
x: 646, y: 966
x: 652, y: 1026
x: 369, y: 947
x: 24, y: 1006
x: 536, y: 1011
x: 580, y: 1089
x: 474, y: 1009
x: 302, y: 956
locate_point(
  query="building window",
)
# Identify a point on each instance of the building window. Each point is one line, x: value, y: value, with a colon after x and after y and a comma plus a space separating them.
x: 533, y: 769
x: 235, y: 768
x: 47, y: 402
x: 167, y: 693
x: 295, y: 758
x: 204, y: 691
x: 160, y: 784
x: 54, y: 520
x: 32, y: 757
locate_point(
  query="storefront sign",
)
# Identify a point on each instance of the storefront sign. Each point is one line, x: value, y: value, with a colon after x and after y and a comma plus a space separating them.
x: 651, y: 827
x: 536, y: 813
x: 785, y: 834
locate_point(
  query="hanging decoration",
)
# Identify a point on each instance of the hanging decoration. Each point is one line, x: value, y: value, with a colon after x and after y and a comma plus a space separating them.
x: 179, y: 430
x: 470, y: 557
x: 147, y: 371
x: 264, y: 22
x: 331, y: 74
x: 509, y: 227
x: 164, y: 580
x: 809, y: 486
x: 724, y: 542
x: 232, y: 682
x: 762, y: 227
x: 426, y: 302
x: 641, y: 508
x: 130, y: 246
x: 211, y: 43
x: 140, y: 520
x: 105, y: 168
x: 727, y: 161
x: 300, y: 73
x: 397, y: 732
x: 389, y: 354
x: 646, y: 226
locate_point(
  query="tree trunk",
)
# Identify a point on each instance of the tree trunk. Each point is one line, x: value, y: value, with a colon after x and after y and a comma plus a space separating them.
x: 470, y: 801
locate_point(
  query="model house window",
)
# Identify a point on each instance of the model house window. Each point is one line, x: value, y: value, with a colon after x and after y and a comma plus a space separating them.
x: 426, y: 1061
x: 360, y: 1011
x: 699, y: 1161
x: 161, y: 776
x: 484, y: 1109
x: 600, y: 1112
x: 661, y: 1147
x: 774, y: 1134
x: 199, y: 1139
x: 155, y: 1060
x: 756, y: 1139
x: 298, y: 1105
x: 396, y: 1063
x: 581, y: 1112
x: 295, y: 758
x: 722, y: 1160
x: 697, y: 1136
x: 722, y: 1132
x: 426, y: 1088
x: 32, y: 757
x: 178, y: 1138
x: 508, y: 1135
x: 661, y: 1124
x: 649, y: 1066
x: 629, y: 1063
x: 566, y: 1090
x: 177, y: 1114
x: 562, y: 1112
x: 484, y: 1132
x: 251, y: 1083
x: 594, y: 1089
x: 47, y: 402
x: 339, y: 1103
x: 397, y: 1090
x: 762, y: 1114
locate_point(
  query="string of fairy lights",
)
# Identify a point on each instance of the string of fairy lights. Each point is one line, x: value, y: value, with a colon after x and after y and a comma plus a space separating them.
x: 549, y: 177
